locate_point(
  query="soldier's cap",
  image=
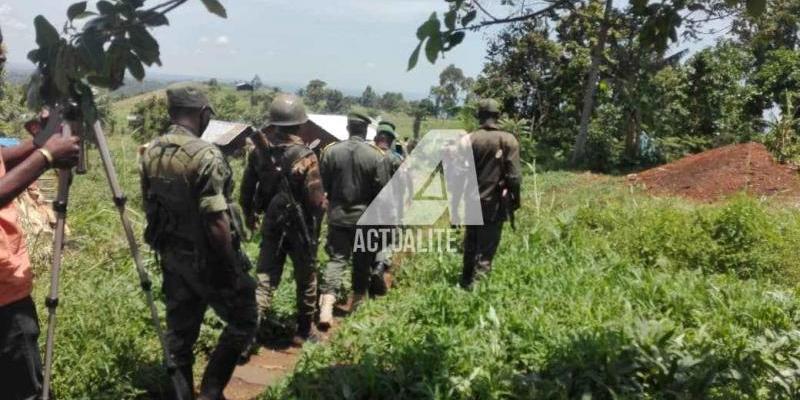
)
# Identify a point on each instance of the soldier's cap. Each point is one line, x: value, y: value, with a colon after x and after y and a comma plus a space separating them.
x: 355, y: 118
x: 187, y: 97
x: 387, y: 128
x: 489, y: 106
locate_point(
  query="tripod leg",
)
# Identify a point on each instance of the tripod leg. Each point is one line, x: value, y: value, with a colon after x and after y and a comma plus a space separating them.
x: 178, y: 380
x: 60, y: 208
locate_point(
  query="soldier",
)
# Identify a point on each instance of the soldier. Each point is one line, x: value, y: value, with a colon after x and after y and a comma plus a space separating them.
x: 353, y: 173
x: 186, y: 185
x: 496, y: 155
x: 282, y: 176
x: 385, y: 139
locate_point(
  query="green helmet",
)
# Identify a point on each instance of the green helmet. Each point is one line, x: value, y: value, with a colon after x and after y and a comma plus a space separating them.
x: 387, y: 128
x: 287, y: 110
x: 489, y: 106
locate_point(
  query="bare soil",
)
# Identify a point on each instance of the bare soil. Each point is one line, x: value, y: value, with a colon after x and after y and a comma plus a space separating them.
x: 721, y: 172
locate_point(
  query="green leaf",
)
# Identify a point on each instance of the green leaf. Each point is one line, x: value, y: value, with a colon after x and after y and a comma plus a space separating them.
x: 455, y: 39
x: 412, y: 61
x: 46, y: 34
x: 105, y: 7
x: 215, y: 7
x: 756, y: 7
x: 450, y: 20
x: 144, y: 45
x: 33, y: 55
x: 135, y: 67
x: 76, y: 9
x: 152, y: 18
x: 469, y: 17
x: 90, y: 46
x: 433, y: 47
x: 432, y: 24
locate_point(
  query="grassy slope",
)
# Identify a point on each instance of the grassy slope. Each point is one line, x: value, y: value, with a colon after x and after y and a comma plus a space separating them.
x: 601, y: 292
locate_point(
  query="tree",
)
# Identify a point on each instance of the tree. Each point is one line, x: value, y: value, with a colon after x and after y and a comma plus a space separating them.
x: 452, y: 90
x: 335, y: 102
x: 314, y: 92
x: 392, y: 101
x: 368, y: 98
x: 149, y: 119
x: 114, y: 39
x: 256, y: 83
x: 660, y: 26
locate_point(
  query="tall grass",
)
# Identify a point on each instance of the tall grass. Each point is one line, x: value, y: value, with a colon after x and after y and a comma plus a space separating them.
x: 606, y: 294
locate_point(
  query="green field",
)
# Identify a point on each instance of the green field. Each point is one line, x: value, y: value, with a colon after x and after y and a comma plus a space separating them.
x: 601, y: 291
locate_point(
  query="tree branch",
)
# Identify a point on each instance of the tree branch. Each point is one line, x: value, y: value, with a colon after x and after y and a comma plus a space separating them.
x: 509, y: 20
x: 480, y: 7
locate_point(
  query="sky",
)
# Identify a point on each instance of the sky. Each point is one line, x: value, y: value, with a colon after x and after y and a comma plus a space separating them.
x: 347, y: 43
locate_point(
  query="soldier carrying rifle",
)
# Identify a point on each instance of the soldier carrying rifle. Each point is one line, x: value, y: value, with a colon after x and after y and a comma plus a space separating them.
x: 186, y: 184
x: 282, y: 180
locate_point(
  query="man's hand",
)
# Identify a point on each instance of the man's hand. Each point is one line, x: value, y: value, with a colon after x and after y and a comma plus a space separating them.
x: 65, y: 150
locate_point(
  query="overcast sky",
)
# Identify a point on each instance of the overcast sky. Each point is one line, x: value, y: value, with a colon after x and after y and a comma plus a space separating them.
x: 347, y: 43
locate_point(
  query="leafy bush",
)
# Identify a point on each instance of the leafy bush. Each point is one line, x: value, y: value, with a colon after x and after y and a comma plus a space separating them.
x: 150, y: 119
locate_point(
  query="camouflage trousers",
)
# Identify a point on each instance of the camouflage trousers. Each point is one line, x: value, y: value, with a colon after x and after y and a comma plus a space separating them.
x: 275, y: 246
x: 191, y: 285
x: 339, y: 247
x: 480, y: 246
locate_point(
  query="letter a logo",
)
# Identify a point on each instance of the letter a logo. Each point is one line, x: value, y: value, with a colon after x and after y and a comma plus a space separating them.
x: 437, y: 178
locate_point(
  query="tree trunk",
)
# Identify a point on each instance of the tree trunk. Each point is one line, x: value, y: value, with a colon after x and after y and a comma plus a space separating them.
x: 579, y: 151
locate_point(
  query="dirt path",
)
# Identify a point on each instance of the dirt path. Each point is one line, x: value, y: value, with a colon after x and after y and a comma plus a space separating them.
x: 272, y: 363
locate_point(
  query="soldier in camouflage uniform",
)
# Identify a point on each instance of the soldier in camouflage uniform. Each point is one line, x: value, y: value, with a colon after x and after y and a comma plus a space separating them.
x: 282, y: 180
x: 353, y: 173
x: 385, y: 139
x: 186, y: 185
x: 496, y: 155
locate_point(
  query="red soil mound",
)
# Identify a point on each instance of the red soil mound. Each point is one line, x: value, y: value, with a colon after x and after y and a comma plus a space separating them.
x: 717, y: 173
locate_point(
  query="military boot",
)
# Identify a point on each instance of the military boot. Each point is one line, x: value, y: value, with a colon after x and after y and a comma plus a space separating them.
x: 219, y: 371
x: 185, y: 376
x: 326, y: 303
x: 358, y: 299
x: 305, y: 331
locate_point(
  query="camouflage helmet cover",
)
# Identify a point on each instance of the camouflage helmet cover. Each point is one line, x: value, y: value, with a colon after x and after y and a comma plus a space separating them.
x: 489, y: 106
x: 287, y: 110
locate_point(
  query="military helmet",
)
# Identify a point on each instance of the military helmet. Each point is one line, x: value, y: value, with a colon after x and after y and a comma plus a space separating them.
x: 489, y: 106
x: 387, y: 128
x: 187, y: 97
x: 287, y: 110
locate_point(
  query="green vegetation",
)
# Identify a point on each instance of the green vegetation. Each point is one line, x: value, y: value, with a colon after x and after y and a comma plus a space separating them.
x: 601, y: 293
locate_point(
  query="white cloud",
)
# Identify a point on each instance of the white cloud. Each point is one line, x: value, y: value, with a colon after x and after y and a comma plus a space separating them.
x: 370, y: 65
x: 203, y: 39
x: 222, y: 40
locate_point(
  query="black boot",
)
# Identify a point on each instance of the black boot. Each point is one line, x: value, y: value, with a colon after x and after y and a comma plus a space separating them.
x: 219, y: 371
x: 183, y: 381
x: 305, y: 331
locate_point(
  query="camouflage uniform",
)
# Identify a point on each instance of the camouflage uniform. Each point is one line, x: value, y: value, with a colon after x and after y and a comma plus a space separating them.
x: 353, y: 173
x: 261, y: 188
x: 399, y: 184
x: 496, y: 155
x: 184, y: 178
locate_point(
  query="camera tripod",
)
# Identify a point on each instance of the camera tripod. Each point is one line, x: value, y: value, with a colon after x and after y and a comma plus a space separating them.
x: 60, y: 207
